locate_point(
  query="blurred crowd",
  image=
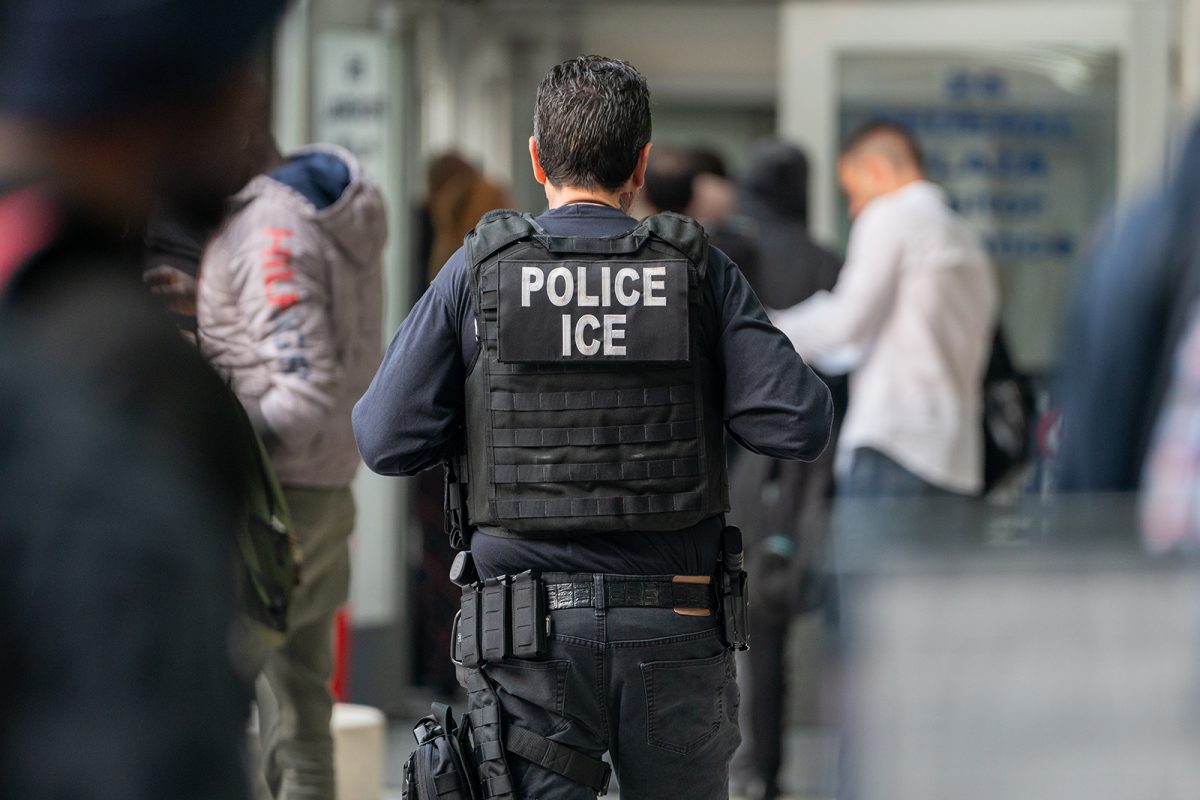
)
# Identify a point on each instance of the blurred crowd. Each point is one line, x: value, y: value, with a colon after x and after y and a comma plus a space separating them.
x: 187, y: 316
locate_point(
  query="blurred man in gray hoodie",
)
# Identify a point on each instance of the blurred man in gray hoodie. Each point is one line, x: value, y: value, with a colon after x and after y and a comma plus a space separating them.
x: 290, y: 308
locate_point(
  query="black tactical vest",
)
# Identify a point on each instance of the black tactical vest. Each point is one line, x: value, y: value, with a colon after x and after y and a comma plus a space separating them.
x: 592, y: 405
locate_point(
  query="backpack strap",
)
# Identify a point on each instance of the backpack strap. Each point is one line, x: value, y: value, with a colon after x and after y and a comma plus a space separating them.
x: 28, y: 222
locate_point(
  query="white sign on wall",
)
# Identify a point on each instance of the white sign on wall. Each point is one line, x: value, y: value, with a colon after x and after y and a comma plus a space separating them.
x: 352, y: 102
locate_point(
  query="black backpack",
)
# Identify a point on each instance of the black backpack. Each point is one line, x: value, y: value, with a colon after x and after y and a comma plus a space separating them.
x: 1008, y: 409
x: 442, y: 767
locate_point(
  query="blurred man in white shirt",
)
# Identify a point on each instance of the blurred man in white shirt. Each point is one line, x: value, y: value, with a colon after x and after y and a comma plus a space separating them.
x: 911, y: 318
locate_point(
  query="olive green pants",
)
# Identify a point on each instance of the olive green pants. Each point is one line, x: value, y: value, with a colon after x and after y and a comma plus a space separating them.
x: 294, y: 702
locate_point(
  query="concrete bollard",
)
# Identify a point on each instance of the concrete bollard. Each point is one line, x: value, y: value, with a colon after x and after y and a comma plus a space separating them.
x: 359, y: 747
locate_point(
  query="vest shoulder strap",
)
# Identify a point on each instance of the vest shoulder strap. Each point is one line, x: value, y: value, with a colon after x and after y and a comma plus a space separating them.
x: 684, y: 234
x: 496, y: 231
x: 499, y: 229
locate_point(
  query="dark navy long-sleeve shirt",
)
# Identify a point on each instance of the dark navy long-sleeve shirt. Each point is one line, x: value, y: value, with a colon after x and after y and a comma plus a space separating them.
x: 412, y: 416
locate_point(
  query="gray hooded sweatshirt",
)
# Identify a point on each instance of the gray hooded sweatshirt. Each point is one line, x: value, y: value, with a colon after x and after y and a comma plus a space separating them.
x: 290, y: 308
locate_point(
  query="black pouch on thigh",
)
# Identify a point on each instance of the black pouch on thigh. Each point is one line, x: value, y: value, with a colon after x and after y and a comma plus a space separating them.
x: 484, y: 712
x: 443, y: 766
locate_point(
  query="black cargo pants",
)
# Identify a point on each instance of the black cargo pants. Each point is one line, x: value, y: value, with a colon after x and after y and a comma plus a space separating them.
x: 655, y: 689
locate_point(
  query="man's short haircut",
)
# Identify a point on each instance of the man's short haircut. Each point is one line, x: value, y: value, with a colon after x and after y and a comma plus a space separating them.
x: 591, y: 121
x: 890, y: 139
x: 706, y: 161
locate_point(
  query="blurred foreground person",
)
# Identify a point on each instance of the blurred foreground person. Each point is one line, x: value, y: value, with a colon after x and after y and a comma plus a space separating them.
x: 593, y: 462
x: 118, y: 485
x: 1171, y: 492
x: 1151, y: 272
x: 912, y: 318
x: 782, y: 506
x: 290, y: 309
x: 1129, y: 318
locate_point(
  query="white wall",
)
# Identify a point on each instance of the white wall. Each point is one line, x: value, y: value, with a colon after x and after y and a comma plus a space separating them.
x: 719, y: 53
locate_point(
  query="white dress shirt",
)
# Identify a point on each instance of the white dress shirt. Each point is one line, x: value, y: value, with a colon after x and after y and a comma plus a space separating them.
x: 912, y: 317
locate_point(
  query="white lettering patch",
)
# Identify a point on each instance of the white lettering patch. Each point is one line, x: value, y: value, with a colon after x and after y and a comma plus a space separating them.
x: 581, y: 311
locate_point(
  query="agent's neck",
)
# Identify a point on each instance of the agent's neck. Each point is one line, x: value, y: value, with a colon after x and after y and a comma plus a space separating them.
x: 558, y: 196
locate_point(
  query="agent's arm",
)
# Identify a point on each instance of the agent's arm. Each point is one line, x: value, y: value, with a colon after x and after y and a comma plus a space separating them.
x: 774, y: 403
x: 411, y: 417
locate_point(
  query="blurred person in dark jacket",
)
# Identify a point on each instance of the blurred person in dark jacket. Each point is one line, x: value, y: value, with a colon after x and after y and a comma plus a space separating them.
x: 781, y: 506
x: 118, y: 484
x: 172, y: 265
x: 714, y: 205
x: 773, y: 196
x: 694, y: 182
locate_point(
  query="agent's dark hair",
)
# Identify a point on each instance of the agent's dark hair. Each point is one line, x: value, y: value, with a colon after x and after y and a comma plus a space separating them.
x: 591, y: 120
x: 891, y: 135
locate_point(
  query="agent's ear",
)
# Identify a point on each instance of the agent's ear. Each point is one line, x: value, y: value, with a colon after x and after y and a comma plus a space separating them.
x: 535, y: 160
x: 638, y: 179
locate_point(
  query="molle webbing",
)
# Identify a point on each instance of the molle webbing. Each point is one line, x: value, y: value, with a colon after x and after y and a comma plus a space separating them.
x: 587, y: 437
x: 609, y: 471
x: 590, y: 399
x: 591, y: 507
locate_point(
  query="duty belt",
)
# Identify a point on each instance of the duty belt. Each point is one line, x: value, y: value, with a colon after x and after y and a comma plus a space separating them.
x: 509, y: 615
x: 629, y: 593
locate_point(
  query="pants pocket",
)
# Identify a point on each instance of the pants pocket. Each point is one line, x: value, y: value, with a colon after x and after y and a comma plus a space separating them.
x: 685, y: 701
x: 538, y: 684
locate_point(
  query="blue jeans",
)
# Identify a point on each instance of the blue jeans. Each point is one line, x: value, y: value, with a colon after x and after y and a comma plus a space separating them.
x: 655, y: 689
x: 873, y: 474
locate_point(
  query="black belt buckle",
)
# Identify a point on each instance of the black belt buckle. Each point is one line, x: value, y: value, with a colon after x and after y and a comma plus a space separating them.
x: 494, y: 632
x: 528, y: 616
